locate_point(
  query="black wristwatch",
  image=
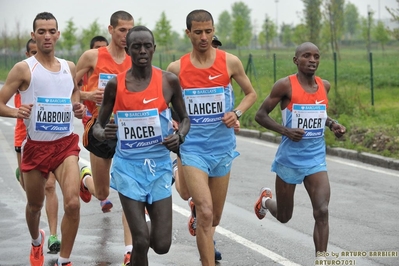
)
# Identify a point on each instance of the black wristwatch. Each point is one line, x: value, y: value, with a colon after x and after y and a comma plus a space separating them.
x: 238, y: 113
x: 182, y: 138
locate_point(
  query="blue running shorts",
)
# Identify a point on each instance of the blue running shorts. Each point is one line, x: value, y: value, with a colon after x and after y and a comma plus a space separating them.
x: 296, y: 175
x: 145, y: 180
x: 213, y: 165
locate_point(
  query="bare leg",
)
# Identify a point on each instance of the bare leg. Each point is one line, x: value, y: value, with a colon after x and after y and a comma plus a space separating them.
x: 318, y: 187
x: 67, y: 175
x: 51, y: 204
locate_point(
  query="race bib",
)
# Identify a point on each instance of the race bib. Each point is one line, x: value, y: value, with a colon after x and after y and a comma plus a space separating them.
x: 311, y: 118
x: 205, y: 106
x: 139, y: 129
x: 53, y: 114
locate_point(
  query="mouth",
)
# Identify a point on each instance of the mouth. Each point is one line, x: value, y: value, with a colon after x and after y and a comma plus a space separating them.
x: 143, y: 60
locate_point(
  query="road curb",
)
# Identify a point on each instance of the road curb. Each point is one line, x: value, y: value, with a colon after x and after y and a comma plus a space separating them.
x: 363, y: 157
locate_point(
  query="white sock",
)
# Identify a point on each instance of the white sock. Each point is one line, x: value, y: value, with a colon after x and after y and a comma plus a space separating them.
x: 128, y: 248
x: 264, y: 202
x: 62, y: 260
x: 84, y: 180
x: 38, y: 241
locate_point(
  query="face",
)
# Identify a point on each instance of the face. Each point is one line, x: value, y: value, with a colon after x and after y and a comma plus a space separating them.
x: 201, y: 34
x: 307, y: 59
x: 141, y: 48
x: 46, y: 35
x: 32, y: 50
x: 99, y: 44
x: 119, y: 32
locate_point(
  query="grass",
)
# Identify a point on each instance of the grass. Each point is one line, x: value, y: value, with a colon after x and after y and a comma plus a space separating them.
x: 372, y: 122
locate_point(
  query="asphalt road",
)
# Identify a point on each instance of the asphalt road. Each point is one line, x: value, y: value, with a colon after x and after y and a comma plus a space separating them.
x: 364, y: 215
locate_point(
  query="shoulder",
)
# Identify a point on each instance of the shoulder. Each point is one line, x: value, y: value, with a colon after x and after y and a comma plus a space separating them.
x: 282, y: 85
x: 174, y: 67
x: 91, y: 54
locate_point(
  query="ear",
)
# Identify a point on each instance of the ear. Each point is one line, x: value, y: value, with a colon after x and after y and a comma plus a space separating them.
x: 155, y: 47
x: 295, y: 60
x: 187, y: 32
x: 110, y: 28
x: 126, y: 49
x: 32, y: 35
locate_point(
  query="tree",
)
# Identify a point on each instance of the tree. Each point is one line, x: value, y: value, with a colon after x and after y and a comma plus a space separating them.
x: 224, y: 28
x: 242, y: 28
x: 335, y: 14
x: 312, y: 20
x: 91, y: 31
x: 163, y: 32
x: 286, y: 35
x: 269, y: 30
x: 351, y: 20
x: 69, y: 36
x: 300, y: 34
x: 381, y: 34
x: 395, y: 17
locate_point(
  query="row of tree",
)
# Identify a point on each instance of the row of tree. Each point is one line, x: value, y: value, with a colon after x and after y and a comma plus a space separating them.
x: 327, y: 23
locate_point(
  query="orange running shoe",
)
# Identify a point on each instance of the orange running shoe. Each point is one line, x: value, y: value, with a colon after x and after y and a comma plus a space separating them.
x: 261, y: 211
x: 192, y: 219
x: 126, y: 259
x: 85, y: 194
x: 36, y: 252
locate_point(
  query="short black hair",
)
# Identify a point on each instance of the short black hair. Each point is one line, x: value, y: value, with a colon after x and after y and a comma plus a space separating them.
x: 119, y: 15
x: 199, y: 15
x: 45, y: 16
x: 97, y: 38
x: 27, y: 44
x: 136, y: 29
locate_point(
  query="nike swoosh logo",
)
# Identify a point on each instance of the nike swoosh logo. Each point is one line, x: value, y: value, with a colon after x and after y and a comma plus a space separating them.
x: 213, y: 77
x: 148, y: 101
x: 319, y: 102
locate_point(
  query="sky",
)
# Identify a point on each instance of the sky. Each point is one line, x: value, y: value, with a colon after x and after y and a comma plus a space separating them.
x: 84, y: 12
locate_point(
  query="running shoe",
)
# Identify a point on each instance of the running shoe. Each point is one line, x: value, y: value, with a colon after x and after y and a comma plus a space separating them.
x: 17, y: 173
x: 126, y: 259
x: 53, y: 244
x: 64, y: 264
x: 192, y: 220
x: 36, y: 253
x: 261, y: 211
x: 85, y: 194
x: 106, y: 205
x: 218, y: 255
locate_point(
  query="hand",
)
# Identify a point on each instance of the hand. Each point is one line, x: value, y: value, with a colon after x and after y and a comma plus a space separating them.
x: 175, y: 125
x: 78, y: 110
x: 338, y: 130
x: 172, y: 142
x: 229, y: 119
x: 97, y: 96
x: 295, y: 134
x: 110, y: 130
x: 237, y: 127
x: 24, y: 111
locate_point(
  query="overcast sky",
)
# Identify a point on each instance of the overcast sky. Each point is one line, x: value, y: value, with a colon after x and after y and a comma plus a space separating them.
x: 84, y: 12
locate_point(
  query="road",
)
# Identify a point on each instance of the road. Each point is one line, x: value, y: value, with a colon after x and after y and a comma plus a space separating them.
x: 364, y: 215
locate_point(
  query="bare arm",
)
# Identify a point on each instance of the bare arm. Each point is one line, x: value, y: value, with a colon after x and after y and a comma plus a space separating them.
x: 280, y: 93
x: 236, y: 71
x: 86, y: 64
x: 78, y: 108
x: 103, y: 128
x: 173, y: 93
x: 338, y: 129
x: 18, y: 78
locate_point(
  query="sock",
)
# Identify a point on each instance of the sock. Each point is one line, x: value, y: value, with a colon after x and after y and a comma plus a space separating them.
x: 84, y: 180
x: 62, y: 260
x: 264, y: 202
x: 128, y: 248
x: 38, y: 241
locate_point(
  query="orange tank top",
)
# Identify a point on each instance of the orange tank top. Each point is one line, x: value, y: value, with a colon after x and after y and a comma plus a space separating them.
x: 105, y: 65
x: 214, y: 76
x: 151, y: 97
x: 300, y: 96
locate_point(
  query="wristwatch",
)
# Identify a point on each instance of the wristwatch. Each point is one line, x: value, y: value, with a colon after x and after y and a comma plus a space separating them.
x: 238, y: 113
x: 182, y: 138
